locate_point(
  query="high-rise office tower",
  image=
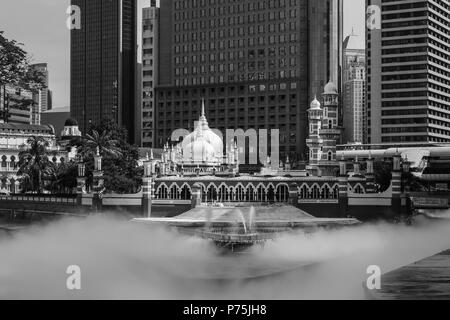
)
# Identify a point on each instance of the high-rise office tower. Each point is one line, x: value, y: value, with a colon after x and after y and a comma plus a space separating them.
x: 408, y: 72
x: 42, y: 98
x: 256, y: 63
x: 354, y: 91
x: 325, y: 44
x: 150, y: 48
x: 104, y: 62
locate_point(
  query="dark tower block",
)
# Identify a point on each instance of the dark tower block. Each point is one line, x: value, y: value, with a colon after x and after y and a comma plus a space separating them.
x: 104, y: 62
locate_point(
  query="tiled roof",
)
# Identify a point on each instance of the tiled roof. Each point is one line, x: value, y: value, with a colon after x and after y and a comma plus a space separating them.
x: 25, y: 127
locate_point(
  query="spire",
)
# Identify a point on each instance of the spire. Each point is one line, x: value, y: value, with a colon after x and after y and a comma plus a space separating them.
x: 203, y: 107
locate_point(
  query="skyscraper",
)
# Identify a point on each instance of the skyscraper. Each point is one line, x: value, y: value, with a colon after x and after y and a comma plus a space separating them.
x: 103, y: 63
x: 257, y: 64
x: 43, y: 97
x: 408, y: 72
x: 325, y: 44
x: 150, y: 56
x: 354, y: 92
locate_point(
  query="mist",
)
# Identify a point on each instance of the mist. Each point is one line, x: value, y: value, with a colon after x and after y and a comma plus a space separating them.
x: 124, y: 260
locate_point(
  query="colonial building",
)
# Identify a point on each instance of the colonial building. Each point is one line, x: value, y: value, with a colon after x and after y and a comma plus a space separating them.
x: 13, y: 138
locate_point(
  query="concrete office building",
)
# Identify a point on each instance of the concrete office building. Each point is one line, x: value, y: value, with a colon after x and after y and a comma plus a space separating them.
x: 104, y: 62
x: 354, y: 92
x: 16, y: 105
x: 257, y: 64
x: 408, y: 72
x: 43, y: 99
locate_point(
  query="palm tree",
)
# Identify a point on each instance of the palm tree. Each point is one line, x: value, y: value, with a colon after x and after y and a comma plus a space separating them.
x: 101, y: 142
x: 55, y: 174
x: 33, y: 160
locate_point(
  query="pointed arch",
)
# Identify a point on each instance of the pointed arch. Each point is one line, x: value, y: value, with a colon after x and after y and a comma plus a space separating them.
x: 304, y: 191
x: 282, y: 192
x: 162, y: 191
x: 359, y: 189
x: 186, y: 192
x: 250, y: 193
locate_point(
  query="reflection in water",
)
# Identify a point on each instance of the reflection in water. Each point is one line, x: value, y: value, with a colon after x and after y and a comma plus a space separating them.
x: 126, y: 260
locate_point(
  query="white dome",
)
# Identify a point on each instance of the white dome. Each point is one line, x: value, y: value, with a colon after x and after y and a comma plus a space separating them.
x: 205, y: 134
x: 214, y: 140
x: 315, y: 104
x: 199, y: 151
x: 330, y: 88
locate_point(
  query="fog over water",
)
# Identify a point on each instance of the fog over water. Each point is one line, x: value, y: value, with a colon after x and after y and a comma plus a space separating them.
x: 122, y: 260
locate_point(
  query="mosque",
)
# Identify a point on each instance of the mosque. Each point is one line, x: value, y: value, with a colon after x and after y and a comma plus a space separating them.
x: 202, y: 151
x: 200, y: 160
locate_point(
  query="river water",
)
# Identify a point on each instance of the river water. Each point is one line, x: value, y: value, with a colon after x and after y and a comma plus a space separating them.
x: 122, y: 260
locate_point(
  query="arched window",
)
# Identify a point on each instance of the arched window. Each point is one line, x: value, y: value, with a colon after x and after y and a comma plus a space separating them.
x: 325, y: 192
x: 282, y: 194
x: 270, y: 194
x: 304, y: 192
x: 315, y: 192
x: 212, y: 193
x: 223, y: 193
x: 162, y: 192
x: 261, y: 194
x: 336, y: 192
x: 185, y: 193
x: 174, y: 192
x: 250, y: 194
x: 12, y: 163
x: 358, y: 189
x: 239, y: 193
x: 330, y: 156
x: 4, y: 162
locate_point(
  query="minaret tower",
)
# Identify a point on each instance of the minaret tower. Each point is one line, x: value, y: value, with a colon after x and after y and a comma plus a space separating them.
x: 314, y: 141
x: 331, y: 131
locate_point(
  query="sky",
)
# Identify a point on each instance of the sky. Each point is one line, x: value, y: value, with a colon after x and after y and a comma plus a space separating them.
x: 41, y: 26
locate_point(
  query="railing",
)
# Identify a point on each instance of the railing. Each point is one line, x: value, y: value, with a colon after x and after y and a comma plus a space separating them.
x: 39, y: 198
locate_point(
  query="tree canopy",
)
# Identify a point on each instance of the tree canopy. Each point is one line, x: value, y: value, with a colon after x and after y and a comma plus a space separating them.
x: 120, y: 158
x: 15, y: 66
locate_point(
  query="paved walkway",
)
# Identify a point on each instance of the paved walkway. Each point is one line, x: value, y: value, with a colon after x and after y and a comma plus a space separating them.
x: 425, y: 280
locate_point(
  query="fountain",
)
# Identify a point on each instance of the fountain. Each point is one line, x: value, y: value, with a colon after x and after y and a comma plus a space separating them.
x: 239, y: 227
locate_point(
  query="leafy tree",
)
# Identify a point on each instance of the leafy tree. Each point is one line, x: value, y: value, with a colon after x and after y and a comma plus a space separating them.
x: 13, y: 61
x: 33, y: 160
x: 119, y: 163
x: 102, y: 142
x: 16, y: 70
x: 383, y: 174
x: 60, y: 177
